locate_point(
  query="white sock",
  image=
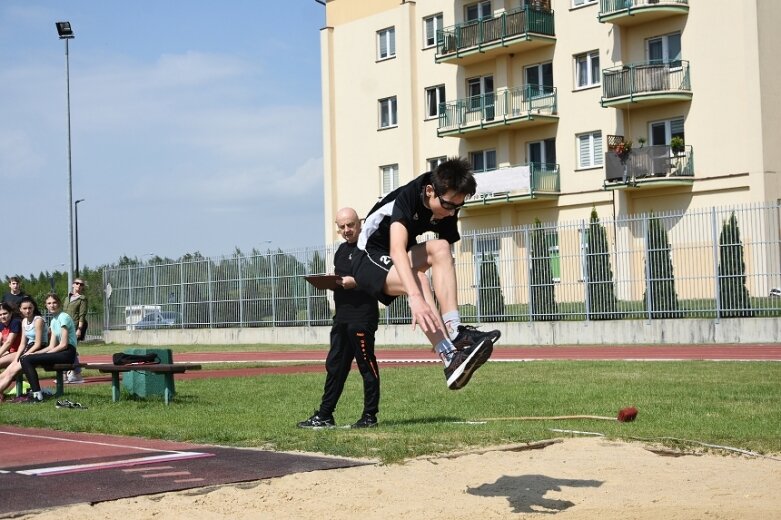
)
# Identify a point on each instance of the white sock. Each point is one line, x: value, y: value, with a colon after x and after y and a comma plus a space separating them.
x: 445, y: 349
x: 452, y: 321
x: 38, y: 396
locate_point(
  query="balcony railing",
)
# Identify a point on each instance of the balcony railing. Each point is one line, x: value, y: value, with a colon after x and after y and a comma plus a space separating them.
x: 637, y: 11
x: 526, y: 181
x: 649, y: 164
x: 647, y: 81
x: 500, y: 108
x: 496, y: 31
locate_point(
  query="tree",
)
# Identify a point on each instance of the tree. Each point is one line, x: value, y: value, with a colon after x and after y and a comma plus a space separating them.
x: 599, y: 273
x: 734, y: 300
x: 490, y: 296
x: 663, y: 299
x: 543, y: 294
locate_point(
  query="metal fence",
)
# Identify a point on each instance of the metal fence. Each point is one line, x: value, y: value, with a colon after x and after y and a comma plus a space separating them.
x: 709, y: 263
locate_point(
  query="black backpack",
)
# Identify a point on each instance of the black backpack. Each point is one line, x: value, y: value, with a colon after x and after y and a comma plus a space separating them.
x: 120, y: 358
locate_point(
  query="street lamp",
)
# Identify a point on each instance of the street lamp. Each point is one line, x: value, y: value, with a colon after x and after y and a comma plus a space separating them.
x: 76, y: 210
x: 65, y: 32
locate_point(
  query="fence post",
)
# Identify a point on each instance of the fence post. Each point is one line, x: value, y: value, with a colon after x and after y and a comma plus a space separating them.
x: 585, y: 264
x: 529, y: 271
x: 182, y: 305
x: 209, y: 291
x: 648, y: 284
x: 273, y: 291
x: 715, y: 239
x: 241, y: 290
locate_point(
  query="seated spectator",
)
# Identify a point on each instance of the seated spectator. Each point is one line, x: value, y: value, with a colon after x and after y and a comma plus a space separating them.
x: 35, y: 338
x: 10, y: 333
x: 61, y: 348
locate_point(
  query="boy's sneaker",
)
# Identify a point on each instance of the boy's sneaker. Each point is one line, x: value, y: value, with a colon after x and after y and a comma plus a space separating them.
x: 73, y: 378
x: 366, y: 421
x: 317, y: 422
x: 465, y: 362
x: 469, y: 336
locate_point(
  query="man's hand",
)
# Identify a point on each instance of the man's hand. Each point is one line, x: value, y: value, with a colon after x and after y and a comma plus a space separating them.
x: 347, y: 282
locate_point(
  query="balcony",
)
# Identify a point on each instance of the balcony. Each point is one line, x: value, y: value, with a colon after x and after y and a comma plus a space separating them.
x: 510, y: 32
x: 644, y: 84
x: 525, y: 106
x: 650, y: 166
x: 531, y: 181
x: 633, y: 12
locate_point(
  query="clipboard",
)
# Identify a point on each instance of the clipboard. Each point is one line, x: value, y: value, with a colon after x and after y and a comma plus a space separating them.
x: 324, y: 281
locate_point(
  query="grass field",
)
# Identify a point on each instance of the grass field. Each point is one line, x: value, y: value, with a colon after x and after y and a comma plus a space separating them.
x: 725, y: 403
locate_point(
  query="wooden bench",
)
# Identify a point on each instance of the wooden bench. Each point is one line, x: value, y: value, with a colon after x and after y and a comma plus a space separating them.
x: 59, y: 370
x: 167, y: 369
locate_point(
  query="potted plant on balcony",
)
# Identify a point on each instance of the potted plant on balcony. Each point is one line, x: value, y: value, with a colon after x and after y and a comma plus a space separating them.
x: 622, y: 150
x: 677, y: 145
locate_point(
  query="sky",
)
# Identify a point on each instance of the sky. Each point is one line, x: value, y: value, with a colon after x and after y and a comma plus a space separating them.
x: 195, y: 126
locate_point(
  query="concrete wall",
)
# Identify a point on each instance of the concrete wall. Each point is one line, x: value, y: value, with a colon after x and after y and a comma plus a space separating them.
x: 630, y: 332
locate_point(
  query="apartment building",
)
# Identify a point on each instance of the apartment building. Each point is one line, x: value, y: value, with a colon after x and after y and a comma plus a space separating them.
x: 546, y: 97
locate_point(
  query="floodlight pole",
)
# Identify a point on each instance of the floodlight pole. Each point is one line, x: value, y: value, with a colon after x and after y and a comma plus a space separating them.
x: 66, y: 33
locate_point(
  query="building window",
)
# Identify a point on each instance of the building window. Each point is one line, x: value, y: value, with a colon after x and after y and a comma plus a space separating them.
x: 539, y: 79
x: 542, y: 154
x: 434, y: 162
x: 578, y: 3
x: 662, y: 132
x: 476, y: 11
x: 554, y: 256
x: 483, y: 160
x: 388, y: 112
x: 587, y: 71
x: 431, y: 25
x: 386, y: 43
x: 389, y: 178
x: 590, y: 150
x: 481, y: 95
x: 435, y: 97
x: 665, y: 49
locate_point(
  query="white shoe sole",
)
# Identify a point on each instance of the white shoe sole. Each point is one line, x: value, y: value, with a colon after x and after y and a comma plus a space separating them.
x: 470, y: 361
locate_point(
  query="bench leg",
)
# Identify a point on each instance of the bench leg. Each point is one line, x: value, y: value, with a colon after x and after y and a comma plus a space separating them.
x: 115, y: 387
x: 60, y: 385
x: 19, y: 384
x: 168, y: 394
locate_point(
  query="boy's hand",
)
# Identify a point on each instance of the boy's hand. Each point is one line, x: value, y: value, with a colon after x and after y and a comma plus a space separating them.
x: 422, y: 314
x: 347, y: 282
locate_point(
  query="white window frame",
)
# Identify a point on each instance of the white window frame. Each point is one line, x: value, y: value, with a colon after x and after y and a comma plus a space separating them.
x: 386, y: 38
x: 670, y: 130
x: 433, y: 162
x: 595, y: 147
x: 389, y: 178
x: 543, y: 150
x: 665, y: 40
x: 431, y: 25
x: 486, y: 156
x: 586, y: 61
x: 387, y: 112
x: 483, y: 10
x: 438, y: 94
x: 582, y: 3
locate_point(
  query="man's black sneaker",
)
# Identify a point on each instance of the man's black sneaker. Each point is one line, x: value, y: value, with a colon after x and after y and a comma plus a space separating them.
x: 317, y: 422
x: 367, y: 421
x: 465, y: 362
x: 469, y: 336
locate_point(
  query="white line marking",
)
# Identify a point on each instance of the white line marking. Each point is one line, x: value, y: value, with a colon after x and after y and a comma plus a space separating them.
x: 77, y: 468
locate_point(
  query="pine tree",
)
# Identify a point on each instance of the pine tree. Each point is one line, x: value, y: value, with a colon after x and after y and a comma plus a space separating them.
x: 543, y: 303
x: 659, y: 275
x: 601, y: 289
x: 734, y: 299
x: 490, y: 293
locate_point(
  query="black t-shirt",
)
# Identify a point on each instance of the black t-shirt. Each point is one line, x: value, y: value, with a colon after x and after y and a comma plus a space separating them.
x: 405, y: 205
x: 13, y: 299
x: 352, y: 305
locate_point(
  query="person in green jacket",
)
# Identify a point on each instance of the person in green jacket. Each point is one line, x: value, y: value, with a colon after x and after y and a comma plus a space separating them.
x: 75, y: 306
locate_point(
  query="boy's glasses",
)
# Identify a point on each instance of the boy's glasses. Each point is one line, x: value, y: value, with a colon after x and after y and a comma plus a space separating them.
x: 449, y: 206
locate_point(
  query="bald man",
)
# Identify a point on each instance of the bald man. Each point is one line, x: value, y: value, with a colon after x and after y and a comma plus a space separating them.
x: 352, y: 335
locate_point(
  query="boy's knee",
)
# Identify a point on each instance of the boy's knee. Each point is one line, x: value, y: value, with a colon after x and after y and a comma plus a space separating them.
x: 440, y: 251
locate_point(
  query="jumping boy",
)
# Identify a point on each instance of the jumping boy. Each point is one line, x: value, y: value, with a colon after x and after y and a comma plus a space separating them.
x: 390, y: 263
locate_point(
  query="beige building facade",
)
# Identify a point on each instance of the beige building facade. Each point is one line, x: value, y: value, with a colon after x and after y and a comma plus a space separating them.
x: 561, y: 105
